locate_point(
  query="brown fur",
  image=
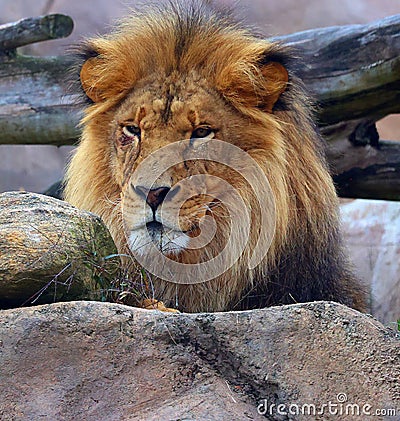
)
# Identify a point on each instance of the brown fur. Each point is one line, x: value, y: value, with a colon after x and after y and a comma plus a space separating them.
x: 169, y: 70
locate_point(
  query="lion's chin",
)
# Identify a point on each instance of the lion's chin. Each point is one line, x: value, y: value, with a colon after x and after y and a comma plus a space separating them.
x: 142, y: 240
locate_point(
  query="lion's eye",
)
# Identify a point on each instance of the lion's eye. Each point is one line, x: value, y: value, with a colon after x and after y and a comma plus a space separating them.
x: 202, y: 132
x: 131, y: 131
x: 130, y: 136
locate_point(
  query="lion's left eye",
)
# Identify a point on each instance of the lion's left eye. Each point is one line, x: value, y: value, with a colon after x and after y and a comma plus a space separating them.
x: 131, y: 131
x: 202, y: 132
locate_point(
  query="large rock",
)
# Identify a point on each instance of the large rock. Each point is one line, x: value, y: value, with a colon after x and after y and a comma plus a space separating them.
x: 50, y: 251
x: 100, y: 361
x: 372, y: 234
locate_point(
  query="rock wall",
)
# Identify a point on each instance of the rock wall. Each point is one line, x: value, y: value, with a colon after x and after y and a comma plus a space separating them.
x: 99, y: 361
x: 372, y: 233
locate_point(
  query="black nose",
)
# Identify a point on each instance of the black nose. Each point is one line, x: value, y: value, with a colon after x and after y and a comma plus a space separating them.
x: 153, y: 197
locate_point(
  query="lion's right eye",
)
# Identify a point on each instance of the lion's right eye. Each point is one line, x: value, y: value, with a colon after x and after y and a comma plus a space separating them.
x: 131, y: 131
x: 130, y: 134
x: 202, y: 132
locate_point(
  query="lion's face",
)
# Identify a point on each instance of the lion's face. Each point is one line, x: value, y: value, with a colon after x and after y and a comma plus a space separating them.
x: 176, y: 141
x: 157, y: 142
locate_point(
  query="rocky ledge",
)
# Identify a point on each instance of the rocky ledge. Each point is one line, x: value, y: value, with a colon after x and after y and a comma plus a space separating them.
x: 90, y: 360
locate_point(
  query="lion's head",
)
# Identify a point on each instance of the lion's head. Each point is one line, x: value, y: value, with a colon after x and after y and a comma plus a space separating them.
x: 198, y: 135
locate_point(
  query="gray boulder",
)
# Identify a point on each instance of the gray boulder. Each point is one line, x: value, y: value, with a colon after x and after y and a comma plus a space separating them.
x: 50, y: 251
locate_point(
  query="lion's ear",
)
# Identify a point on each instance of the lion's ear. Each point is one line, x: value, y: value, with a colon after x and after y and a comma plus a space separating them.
x: 275, y: 82
x: 253, y: 84
x: 88, y: 80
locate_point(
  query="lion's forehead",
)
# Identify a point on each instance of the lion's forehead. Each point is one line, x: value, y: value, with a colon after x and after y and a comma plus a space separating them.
x: 184, y: 102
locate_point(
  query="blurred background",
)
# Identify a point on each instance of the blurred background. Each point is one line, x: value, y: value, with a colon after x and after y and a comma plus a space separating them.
x: 372, y: 228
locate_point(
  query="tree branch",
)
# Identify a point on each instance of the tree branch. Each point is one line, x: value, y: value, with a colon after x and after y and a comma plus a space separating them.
x: 353, y: 71
x: 31, y: 30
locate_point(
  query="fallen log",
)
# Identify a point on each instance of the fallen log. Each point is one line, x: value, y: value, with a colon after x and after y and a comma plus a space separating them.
x: 34, y: 107
x: 353, y: 71
x: 31, y: 30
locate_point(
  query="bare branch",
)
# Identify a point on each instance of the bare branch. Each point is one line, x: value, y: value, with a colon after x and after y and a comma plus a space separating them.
x: 31, y: 30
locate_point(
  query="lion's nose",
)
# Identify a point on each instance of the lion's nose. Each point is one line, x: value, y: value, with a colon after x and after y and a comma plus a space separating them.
x: 153, y: 197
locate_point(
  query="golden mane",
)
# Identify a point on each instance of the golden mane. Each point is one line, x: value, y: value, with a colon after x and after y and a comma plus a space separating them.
x: 254, y: 77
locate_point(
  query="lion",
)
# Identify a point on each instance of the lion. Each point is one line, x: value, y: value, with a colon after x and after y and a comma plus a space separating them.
x: 182, y: 76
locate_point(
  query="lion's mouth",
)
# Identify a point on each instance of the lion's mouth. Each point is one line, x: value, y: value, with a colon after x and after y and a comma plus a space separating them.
x: 154, y: 228
x: 167, y: 240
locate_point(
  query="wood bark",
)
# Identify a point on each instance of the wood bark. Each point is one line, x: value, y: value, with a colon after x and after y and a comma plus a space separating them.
x: 31, y: 30
x: 353, y: 71
x: 34, y: 105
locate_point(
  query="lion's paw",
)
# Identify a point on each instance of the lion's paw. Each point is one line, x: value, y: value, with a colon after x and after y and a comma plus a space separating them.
x: 153, y: 304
